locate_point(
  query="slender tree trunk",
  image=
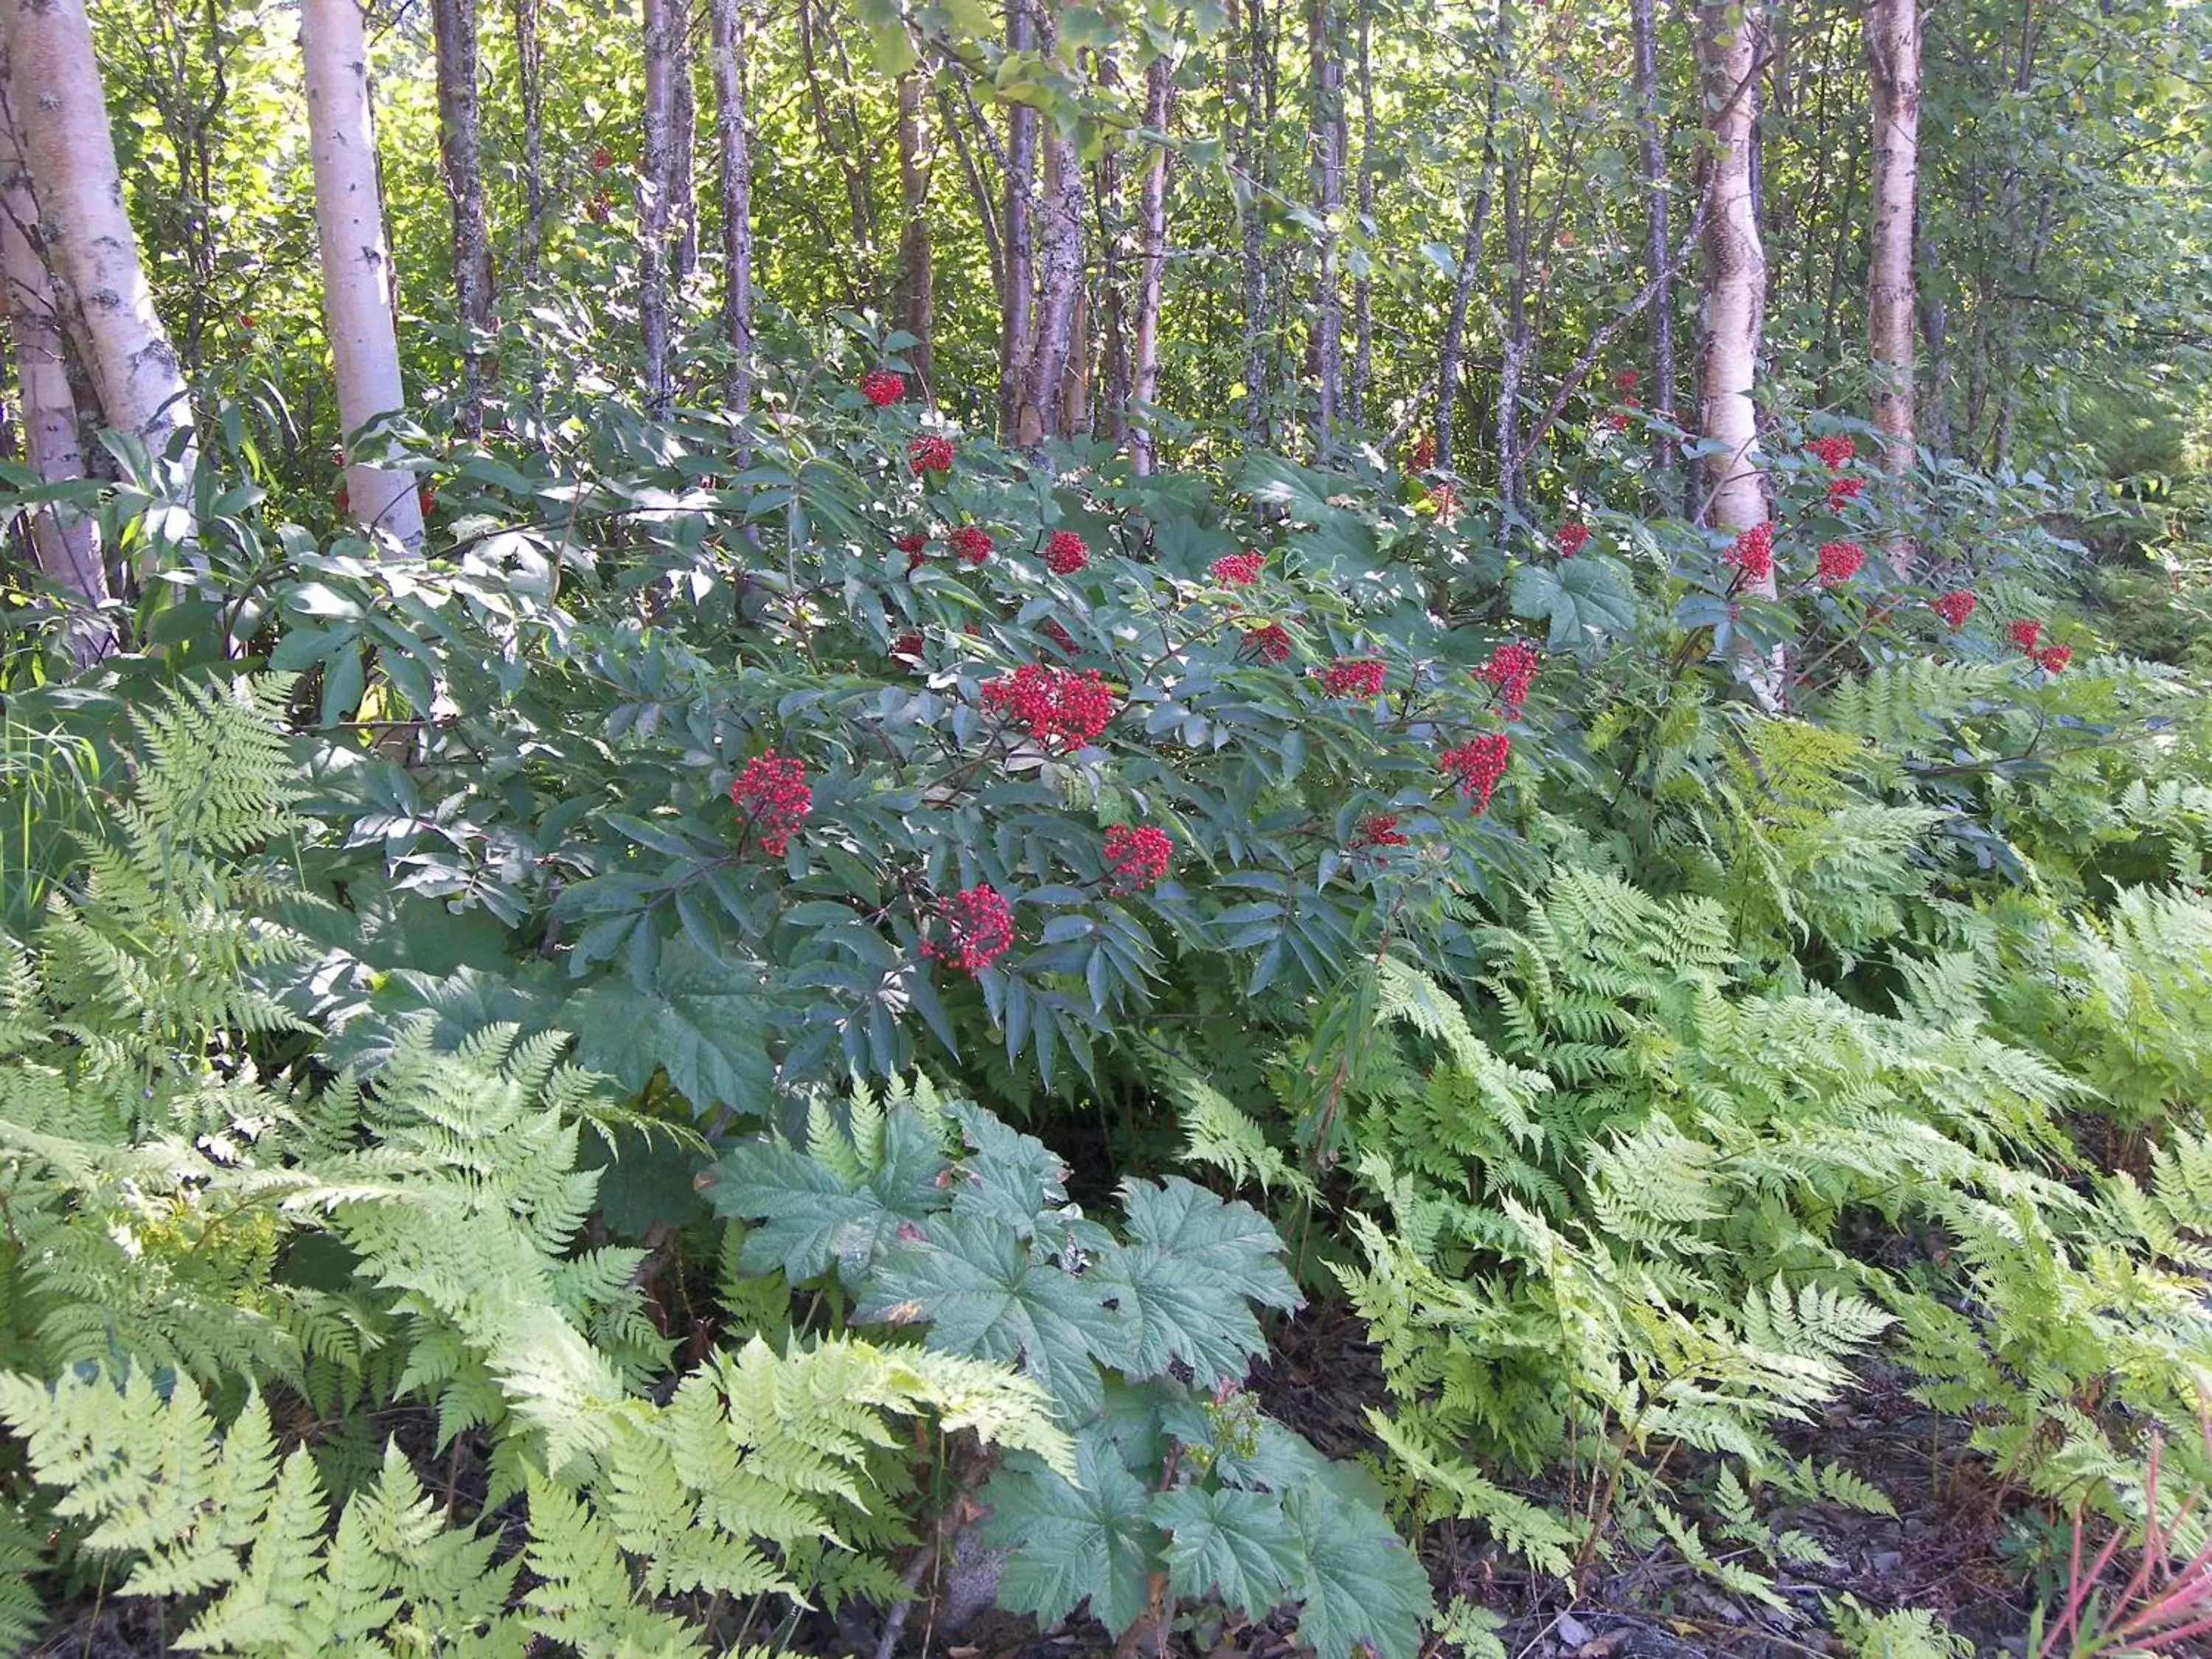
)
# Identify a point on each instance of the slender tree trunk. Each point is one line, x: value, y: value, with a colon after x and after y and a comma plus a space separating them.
x: 856, y: 189
x: 1329, y: 138
x: 61, y: 537
x: 1454, y: 347
x: 1152, y: 213
x: 664, y: 20
x: 1656, y: 239
x: 914, y: 308
x: 683, y: 159
x: 1363, y: 286
x: 1513, y: 354
x: 91, y: 249
x: 1044, y: 411
x: 733, y: 147
x: 1247, y: 82
x: 1934, y: 423
x: 1734, y: 283
x: 530, y: 66
x: 1893, y: 49
x: 453, y: 27
x: 1018, y: 291
x: 979, y: 191
x: 357, y: 259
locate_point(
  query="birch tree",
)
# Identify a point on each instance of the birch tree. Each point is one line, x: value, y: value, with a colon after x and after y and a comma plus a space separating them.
x: 91, y: 249
x: 1893, y: 32
x: 62, y: 539
x: 356, y: 259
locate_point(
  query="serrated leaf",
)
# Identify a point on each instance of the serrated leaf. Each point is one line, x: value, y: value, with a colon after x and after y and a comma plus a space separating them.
x: 1185, y: 1220
x: 1361, y: 1583
x: 699, y: 1023
x: 1237, y: 1545
x: 804, y: 1217
x: 1582, y: 601
x: 1093, y: 1541
x: 982, y: 1292
x: 1009, y: 1179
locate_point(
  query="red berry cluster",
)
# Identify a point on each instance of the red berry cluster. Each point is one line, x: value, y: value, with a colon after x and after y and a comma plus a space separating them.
x: 1753, y: 553
x: 913, y: 542
x: 1509, y: 670
x: 908, y: 646
x: 931, y: 453
x: 1832, y: 452
x: 1424, y: 452
x: 1137, y: 856
x: 2024, y: 635
x: 971, y: 543
x: 1570, y: 539
x: 1842, y: 491
x: 1953, y: 607
x: 1065, y: 553
x: 1625, y: 380
x: 881, y: 387
x: 771, y: 793
x: 1381, y: 830
x: 1238, y: 569
x: 1353, y: 676
x: 601, y: 161
x: 1475, y: 766
x: 1063, y: 710
x: 2053, y: 659
x: 1838, y: 562
x: 981, y: 925
x: 1271, y: 642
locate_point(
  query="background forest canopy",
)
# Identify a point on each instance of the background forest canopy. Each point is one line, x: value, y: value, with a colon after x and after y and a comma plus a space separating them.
x: 828, y: 825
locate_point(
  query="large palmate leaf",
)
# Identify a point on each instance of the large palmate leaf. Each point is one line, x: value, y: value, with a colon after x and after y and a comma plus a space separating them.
x: 1582, y: 601
x: 701, y: 1023
x: 982, y: 1292
x: 1237, y: 1545
x: 806, y: 1215
x: 1231, y: 1240
x: 1193, y: 1269
x: 1072, y: 1543
x: 1361, y: 1583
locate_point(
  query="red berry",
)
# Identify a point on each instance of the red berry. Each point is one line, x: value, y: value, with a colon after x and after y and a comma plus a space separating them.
x: 598, y: 208
x: 913, y: 542
x: 1137, y: 857
x: 1832, y: 451
x: 772, y: 792
x: 931, y: 453
x: 2053, y: 659
x: 1238, y: 569
x: 1381, y: 830
x: 1843, y: 491
x: 1271, y: 641
x: 1753, y: 552
x: 1065, y: 553
x: 1571, y: 537
x: 1838, y: 562
x: 1063, y: 710
x: 427, y: 499
x: 1476, y: 765
x: 881, y: 387
x: 1512, y: 668
x: 1953, y: 607
x: 970, y: 543
x: 245, y: 319
x: 981, y: 928
x: 1353, y: 676
x: 2024, y: 635
x: 601, y: 161
x: 1424, y: 452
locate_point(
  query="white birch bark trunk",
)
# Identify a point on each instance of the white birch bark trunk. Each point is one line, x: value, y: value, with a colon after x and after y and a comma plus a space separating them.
x: 356, y: 259
x: 1734, y: 281
x: 91, y: 249
x: 68, y: 552
x: 1892, y: 30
